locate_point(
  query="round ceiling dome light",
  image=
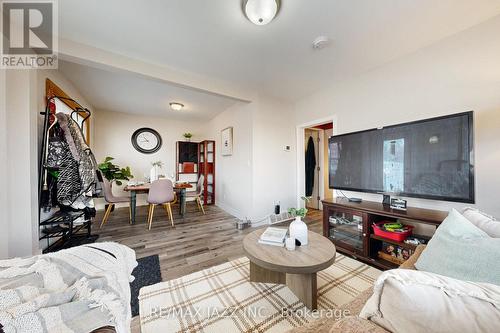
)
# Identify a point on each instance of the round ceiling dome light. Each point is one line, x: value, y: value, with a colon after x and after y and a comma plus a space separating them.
x: 176, y: 106
x: 261, y: 12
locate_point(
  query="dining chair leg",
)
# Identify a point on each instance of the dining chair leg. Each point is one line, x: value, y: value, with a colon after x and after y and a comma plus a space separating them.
x: 150, y: 215
x: 200, y: 205
x: 167, y: 210
x: 170, y: 213
x: 106, y: 214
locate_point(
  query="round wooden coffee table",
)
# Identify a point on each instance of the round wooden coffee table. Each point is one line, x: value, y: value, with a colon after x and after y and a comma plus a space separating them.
x: 297, y: 269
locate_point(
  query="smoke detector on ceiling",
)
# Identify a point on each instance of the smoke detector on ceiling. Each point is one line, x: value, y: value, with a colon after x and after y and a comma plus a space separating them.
x: 320, y: 42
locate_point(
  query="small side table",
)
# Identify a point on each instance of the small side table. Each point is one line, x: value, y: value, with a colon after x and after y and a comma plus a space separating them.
x: 297, y: 269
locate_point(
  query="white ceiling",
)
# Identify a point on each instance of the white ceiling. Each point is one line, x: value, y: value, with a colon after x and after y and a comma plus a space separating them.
x: 129, y: 93
x: 213, y: 38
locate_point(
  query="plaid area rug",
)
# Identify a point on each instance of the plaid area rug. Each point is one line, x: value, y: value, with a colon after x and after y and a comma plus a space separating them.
x: 222, y: 299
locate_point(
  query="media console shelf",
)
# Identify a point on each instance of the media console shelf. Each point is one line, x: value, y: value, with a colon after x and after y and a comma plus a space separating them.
x: 349, y: 226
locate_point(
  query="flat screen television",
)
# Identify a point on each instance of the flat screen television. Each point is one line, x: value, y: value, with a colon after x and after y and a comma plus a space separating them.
x: 431, y: 159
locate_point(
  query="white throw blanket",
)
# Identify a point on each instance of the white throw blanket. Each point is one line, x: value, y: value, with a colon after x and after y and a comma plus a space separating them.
x: 415, y: 302
x: 75, y: 290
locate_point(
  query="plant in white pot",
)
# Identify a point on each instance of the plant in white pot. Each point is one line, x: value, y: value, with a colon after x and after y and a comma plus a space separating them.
x: 154, y: 172
x: 298, y: 229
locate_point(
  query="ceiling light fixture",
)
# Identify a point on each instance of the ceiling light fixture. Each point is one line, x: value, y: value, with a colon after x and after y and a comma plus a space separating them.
x: 176, y: 106
x: 261, y: 12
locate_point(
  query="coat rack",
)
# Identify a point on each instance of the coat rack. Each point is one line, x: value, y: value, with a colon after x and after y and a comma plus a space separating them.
x: 61, y: 225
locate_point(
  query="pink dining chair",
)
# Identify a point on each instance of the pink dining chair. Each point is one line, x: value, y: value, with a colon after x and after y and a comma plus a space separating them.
x: 162, y: 193
x: 111, y: 199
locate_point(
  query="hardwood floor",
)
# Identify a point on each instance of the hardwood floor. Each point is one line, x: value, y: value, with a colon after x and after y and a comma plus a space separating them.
x: 196, y: 241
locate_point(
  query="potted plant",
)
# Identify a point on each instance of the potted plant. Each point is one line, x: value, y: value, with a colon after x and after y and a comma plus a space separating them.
x: 298, y: 229
x: 187, y: 136
x: 153, y: 174
x: 113, y: 173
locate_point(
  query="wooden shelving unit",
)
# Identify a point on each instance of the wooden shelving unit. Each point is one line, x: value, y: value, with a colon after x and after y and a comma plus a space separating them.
x: 187, y: 152
x: 349, y: 226
x: 408, y: 246
x: 206, y: 158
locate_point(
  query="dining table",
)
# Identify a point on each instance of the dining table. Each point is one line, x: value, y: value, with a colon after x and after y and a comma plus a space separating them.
x: 179, y: 188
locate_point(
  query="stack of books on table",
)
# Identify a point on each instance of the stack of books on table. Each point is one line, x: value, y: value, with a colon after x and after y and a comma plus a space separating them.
x: 273, y: 236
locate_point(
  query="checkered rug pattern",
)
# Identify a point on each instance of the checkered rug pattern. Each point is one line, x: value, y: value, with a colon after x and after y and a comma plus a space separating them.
x: 222, y: 299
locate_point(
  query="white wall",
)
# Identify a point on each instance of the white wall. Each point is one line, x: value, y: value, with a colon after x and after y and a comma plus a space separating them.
x: 274, y: 168
x: 112, y: 133
x: 458, y: 74
x: 4, y: 225
x: 233, y: 174
x: 21, y: 163
x: 259, y: 172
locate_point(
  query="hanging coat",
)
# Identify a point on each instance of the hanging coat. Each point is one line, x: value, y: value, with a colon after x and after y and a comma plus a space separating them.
x: 77, y: 182
x: 310, y: 166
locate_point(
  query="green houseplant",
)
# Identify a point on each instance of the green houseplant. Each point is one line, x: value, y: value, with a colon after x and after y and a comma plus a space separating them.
x: 158, y: 164
x: 113, y: 172
x: 300, y: 212
x: 187, y: 136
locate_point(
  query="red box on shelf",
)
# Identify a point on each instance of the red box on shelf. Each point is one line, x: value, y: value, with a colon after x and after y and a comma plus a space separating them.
x: 188, y: 167
x: 395, y: 236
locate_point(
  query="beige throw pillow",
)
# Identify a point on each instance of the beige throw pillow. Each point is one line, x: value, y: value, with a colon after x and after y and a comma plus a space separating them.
x: 420, y: 302
x: 483, y: 221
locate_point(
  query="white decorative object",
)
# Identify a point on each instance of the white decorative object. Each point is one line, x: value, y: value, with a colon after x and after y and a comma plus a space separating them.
x: 227, y: 141
x: 298, y: 230
x: 153, y: 174
x: 290, y: 244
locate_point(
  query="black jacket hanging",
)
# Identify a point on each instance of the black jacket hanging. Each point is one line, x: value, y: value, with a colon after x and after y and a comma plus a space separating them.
x: 310, y: 166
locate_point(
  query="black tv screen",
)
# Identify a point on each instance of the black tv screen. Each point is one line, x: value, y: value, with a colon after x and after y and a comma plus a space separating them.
x: 430, y: 159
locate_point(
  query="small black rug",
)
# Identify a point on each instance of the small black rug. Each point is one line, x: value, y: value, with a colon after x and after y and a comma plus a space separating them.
x: 146, y: 273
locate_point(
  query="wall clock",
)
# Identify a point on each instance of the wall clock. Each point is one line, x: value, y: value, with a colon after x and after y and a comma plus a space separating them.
x: 146, y: 140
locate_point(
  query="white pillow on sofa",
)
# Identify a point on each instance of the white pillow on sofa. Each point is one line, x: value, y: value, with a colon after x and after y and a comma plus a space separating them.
x: 420, y: 302
x: 483, y: 221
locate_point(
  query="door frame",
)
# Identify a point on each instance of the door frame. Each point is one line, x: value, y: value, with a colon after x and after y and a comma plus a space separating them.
x: 301, y: 187
x: 320, y: 161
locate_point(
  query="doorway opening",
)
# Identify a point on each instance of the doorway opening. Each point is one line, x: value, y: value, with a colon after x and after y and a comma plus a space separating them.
x: 313, y: 174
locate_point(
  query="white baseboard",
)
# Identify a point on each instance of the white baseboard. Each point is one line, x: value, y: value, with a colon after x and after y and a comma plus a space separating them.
x: 230, y: 210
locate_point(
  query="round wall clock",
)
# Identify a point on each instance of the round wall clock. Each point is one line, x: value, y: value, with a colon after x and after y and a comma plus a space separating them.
x: 146, y: 140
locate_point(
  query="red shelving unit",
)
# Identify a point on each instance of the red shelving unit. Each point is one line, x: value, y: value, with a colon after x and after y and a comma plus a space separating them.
x: 206, y: 167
